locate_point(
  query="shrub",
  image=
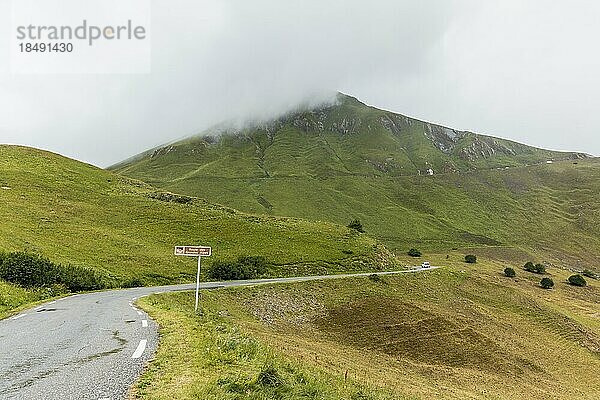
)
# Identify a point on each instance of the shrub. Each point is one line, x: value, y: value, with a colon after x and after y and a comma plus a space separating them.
x: 132, y: 283
x: 377, y: 278
x: 35, y: 271
x: 577, y: 280
x: 547, y: 283
x: 79, y: 278
x: 509, y: 272
x: 269, y: 376
x: 471, y: 259
x: 28, y: 270
x: 356, y: 225
x: 536, y: 269
x: 244, y: 268
x: 414, y: 253
x: 540, y: 269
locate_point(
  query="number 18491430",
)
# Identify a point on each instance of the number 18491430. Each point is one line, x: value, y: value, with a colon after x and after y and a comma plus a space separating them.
x: 46, y: 47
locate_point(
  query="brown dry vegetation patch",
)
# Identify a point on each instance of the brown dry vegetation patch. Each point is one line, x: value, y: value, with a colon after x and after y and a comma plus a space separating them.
x: 406, y: 331
x: 273, y: 306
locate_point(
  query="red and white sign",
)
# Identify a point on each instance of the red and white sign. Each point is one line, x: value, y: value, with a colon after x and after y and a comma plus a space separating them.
x: 193, y: 251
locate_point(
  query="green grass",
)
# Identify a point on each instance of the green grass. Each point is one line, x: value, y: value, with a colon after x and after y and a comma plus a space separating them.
x: 14, y: 298
x: 209, y: 357
x: 75, y: 213
x: 464, y: 331
x: 352, y: 161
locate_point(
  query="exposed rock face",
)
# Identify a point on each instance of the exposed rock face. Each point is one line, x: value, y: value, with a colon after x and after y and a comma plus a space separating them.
x: 162, y: 151
x: 445, y: 139
x: 393, y: 123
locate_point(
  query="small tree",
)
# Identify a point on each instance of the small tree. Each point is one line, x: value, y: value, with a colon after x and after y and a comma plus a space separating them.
x: 547, y: 283
x: 356, y: 225
x: 535, y: 268
x: 529, y: 266
x: 470, y: 258
x: 577, y: 280
x: 414, y: 253
x: 539, y: 269
x: 509, y: 272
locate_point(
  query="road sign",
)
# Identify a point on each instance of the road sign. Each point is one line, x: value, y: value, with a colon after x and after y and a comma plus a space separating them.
x: 193, y: 251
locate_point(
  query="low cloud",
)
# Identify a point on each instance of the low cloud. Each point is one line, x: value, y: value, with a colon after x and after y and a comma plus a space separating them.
x: 496, y: 67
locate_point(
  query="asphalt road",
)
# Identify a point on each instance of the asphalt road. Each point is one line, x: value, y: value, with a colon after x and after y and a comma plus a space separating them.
x: 89, y: 346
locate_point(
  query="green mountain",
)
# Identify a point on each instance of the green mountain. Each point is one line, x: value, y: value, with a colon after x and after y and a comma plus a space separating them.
x: 75, y: 213
x: 410, y: 182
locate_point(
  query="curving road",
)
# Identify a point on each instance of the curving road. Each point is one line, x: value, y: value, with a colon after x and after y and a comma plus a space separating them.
x: 90, y: 346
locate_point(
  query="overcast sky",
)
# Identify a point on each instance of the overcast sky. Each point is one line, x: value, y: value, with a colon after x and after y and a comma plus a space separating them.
x: 519, y: 69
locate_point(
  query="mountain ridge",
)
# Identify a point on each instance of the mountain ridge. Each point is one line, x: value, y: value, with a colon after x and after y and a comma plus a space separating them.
x: 460, y: 150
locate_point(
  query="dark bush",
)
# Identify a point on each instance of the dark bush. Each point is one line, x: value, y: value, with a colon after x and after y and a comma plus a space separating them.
x: 78, y: 278
x: 34, y: 271
x: 414, y: 253
x: 536, y: 269
x: 377, y: 278
x: 356, y: 225
x: 244, y: 268
x: 510, y: 272
x: 171, y: 197
x: 547, y: 283
x: 133, y: 283
x: 28, y: 270
x: 269, y: 376
x: 471, y: 259
x: 577, y: 280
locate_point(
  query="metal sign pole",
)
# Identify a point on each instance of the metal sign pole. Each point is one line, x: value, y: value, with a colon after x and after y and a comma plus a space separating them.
x: 195, y: 251
x: 198, y: 284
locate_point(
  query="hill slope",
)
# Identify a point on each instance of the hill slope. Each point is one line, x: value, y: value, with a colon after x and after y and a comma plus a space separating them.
x: 75, y: 213
x: 349, y: 160
x: 460, y: 332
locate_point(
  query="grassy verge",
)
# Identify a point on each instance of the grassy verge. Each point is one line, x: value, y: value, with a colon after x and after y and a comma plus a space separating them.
x: 210, y: 357
x: 463, y: 332
x: 13, y: 299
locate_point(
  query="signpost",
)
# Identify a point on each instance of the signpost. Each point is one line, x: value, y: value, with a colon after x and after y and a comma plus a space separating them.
x: 194, y: 251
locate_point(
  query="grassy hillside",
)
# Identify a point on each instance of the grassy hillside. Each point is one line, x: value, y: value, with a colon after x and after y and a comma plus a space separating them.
x: 461, y: 332
x: 75, y: 213
x: 353, y: 161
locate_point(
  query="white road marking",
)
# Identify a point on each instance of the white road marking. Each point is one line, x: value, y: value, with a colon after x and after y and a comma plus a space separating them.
x: 18, y: 316
x: 139, y: 312
x: 144, y: 323
x: 52, y: 302
x: 38, y: 308
x: 140, y: 349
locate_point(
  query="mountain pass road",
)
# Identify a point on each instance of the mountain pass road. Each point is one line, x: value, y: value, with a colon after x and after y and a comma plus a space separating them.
x: 90, y: 346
